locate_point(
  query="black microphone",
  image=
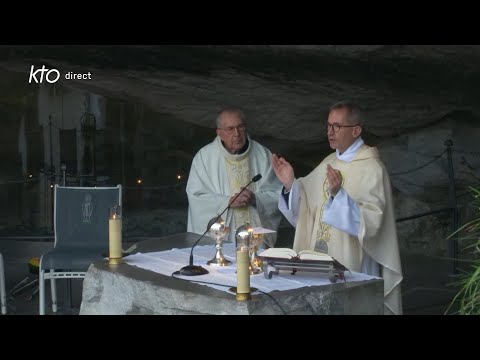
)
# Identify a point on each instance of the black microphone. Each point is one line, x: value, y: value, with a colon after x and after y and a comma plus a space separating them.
x: 194, y: 270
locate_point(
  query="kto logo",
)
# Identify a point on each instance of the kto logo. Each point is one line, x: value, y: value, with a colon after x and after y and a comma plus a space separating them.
x: 51, y: 75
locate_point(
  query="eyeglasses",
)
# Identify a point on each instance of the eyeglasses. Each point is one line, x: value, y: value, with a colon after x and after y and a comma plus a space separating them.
x: 336, y: 128
x: 231, y: 129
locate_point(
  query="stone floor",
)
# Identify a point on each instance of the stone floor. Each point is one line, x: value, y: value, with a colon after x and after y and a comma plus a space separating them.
x: 427, y: 288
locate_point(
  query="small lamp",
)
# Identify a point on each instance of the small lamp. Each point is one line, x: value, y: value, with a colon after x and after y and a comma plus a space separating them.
x: 256, y: 263
x: 115, y: 235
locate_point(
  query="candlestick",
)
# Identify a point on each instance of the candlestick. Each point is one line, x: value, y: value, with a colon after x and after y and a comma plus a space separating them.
x: 243, y: 274
x: 243, y: 236
x: 115, y: 236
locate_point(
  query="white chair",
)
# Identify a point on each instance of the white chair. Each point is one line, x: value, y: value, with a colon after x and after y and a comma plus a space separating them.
x: 81, y: 234
x: 3, y: 294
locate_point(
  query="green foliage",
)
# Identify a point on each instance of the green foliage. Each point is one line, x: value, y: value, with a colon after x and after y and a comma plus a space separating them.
x: 468, y: 297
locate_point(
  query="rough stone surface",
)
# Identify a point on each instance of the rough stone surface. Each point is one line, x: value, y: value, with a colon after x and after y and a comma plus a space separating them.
x: 416, y: 97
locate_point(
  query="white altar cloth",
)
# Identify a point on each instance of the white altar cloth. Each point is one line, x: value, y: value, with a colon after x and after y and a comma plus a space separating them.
x: 169, y: 261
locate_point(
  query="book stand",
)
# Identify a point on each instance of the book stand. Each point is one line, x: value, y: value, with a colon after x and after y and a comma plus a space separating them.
x: 333, y: 269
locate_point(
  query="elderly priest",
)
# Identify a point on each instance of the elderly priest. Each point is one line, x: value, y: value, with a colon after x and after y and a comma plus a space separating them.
x: 221, y: 169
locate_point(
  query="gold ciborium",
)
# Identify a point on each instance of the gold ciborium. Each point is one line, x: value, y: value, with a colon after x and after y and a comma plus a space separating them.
x: 218, y: 231
x: 256, y: 262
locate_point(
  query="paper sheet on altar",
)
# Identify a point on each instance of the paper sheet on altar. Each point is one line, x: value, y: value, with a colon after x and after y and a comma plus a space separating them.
x: 260, y: 230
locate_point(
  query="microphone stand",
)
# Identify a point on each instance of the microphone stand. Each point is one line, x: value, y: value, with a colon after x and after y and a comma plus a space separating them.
x: 195, y: 270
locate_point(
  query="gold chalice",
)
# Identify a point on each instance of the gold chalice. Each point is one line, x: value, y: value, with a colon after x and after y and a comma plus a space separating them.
x: 218, y: 231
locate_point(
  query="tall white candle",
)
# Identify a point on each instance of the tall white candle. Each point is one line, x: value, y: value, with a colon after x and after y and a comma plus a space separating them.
x: 115, y: 238
x: 243, y: 272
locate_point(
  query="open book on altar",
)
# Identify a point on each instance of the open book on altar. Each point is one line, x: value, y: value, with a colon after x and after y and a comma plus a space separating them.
x: 287, y: 253
x: 305, y: 260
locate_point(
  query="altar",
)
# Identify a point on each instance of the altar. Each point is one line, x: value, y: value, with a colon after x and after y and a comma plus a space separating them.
x: 145, y: 284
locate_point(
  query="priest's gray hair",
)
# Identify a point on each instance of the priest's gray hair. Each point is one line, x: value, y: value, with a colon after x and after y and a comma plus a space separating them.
x: 231, y: 110
x: 354, y: 112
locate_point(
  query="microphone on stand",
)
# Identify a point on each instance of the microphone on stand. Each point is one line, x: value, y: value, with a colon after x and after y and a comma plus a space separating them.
x: 194, y: 270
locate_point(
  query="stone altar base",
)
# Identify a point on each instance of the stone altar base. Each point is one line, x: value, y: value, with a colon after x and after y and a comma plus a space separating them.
x: 125, y: 289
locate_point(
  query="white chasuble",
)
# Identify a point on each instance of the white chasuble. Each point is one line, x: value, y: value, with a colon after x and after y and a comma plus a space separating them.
x: 216, y: 175
x: 366, y: 181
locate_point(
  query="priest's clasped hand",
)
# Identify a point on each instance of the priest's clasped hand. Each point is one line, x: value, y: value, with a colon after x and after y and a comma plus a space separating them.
x: 245, y: 199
